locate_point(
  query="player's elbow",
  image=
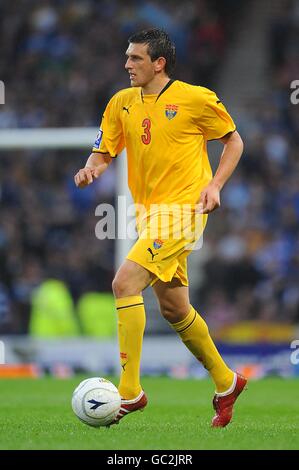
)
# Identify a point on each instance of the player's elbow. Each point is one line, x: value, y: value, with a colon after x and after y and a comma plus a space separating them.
x: 235, y: 142
x: 239, y: 138
x: 239, y: 142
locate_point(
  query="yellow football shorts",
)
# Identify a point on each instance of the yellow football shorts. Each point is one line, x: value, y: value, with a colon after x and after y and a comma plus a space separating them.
x: 165, y: 241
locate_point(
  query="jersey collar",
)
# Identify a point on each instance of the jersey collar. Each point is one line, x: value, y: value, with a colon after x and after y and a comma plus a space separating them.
x: 168, y: 84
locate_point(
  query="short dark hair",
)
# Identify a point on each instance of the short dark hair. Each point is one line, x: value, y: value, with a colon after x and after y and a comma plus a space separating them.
x: 159, y: 45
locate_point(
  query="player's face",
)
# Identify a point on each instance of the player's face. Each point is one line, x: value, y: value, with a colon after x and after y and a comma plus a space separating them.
x: 139, y: 65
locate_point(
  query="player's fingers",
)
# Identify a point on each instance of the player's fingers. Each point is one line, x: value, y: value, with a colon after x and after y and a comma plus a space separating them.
x: 88, y: 175
x: 211, y: 206
x: 202, y: 202
x: 202, y: 198
x: 81, y: 178
x: 199, y: 208
x: 96, y: 172
x: 207, y: 210
x: 77, y: 179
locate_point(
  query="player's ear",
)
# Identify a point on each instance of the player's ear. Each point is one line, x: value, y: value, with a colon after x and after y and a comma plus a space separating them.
x: 160, y: 64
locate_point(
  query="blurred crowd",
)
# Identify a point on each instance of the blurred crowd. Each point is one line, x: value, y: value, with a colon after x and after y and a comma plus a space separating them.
x: 47, y: 230
x: 252, y: 251
x: 61, y: 61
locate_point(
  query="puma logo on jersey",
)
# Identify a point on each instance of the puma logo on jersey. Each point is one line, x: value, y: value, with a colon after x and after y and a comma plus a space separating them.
x: 126, y: 109
x: 153, y: 254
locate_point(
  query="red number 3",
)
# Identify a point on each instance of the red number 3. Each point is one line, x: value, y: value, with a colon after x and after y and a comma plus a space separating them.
x: 146, y: 137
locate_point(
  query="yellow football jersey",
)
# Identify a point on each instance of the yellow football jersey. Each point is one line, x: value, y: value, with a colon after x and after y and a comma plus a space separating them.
x: 166, y: 138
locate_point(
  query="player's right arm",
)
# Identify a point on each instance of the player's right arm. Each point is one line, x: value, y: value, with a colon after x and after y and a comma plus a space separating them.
x: 95, y: 166
x: 109, y: 143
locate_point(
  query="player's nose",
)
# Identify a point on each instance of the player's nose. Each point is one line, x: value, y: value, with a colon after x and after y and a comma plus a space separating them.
x: 127, y: 65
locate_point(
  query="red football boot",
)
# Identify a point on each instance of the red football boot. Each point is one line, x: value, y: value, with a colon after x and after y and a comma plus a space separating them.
x: 223, y: 404
x: 128, y: 406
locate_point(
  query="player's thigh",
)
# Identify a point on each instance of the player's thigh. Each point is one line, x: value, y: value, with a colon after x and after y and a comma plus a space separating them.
x: 131, y: 278
x: 173, y: 298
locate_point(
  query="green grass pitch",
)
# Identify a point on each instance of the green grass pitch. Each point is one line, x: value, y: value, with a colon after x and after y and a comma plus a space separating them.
x: 36, y: 414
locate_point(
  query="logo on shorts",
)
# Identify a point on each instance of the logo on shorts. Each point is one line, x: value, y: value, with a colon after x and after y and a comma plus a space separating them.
x: 171, y: 111
x: 157, y: 244
x: 151, y: 252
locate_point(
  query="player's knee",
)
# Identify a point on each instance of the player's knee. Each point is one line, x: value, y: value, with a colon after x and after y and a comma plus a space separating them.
x: 119, y: 287
x: 123, y: 287
x: 172, y: 314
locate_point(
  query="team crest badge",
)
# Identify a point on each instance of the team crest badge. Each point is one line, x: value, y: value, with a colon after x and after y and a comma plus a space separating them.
x: 157, y: 244
x: 171, y: 111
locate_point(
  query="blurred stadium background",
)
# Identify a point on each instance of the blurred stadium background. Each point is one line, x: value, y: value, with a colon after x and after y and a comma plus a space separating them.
x: 60, y: 62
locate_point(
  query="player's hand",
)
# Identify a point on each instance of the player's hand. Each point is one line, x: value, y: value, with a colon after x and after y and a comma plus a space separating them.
x: 84, y: 177
x: 209, y: 199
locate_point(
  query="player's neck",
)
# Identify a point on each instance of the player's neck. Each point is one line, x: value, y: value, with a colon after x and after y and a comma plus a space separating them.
x: 155, y: 86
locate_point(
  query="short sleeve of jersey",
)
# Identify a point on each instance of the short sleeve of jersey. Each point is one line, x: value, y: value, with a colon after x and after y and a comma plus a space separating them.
x: 214, y: 122
x: 110, y: 138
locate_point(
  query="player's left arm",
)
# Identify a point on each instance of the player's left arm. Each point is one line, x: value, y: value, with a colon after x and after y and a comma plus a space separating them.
x: 232, y: 151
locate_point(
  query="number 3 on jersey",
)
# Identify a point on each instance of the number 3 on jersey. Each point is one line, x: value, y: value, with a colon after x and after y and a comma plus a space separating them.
x: 146, y: 136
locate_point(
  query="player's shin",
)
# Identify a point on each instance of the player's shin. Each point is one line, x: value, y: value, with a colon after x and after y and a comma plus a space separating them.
x: 131, y: 324
x: 195, y: 335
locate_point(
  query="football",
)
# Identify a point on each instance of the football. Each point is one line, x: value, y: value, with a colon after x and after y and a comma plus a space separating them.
x: 96, y: 401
